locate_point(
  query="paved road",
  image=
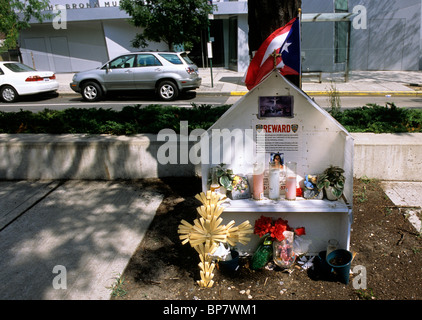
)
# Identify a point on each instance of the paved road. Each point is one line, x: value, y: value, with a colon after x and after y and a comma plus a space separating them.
x: 60, y: 102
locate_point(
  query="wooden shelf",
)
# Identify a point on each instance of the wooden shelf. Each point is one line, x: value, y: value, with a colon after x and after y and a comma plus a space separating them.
x: 299, y: 205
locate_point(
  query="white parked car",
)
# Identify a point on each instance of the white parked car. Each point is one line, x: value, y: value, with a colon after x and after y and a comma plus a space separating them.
x: 17, y: 79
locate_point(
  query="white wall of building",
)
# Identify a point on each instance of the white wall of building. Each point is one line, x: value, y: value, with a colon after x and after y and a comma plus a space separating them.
x: 242, y: 43
x: 118, y: 36
x: 392, y: 38
x: 79, y: 47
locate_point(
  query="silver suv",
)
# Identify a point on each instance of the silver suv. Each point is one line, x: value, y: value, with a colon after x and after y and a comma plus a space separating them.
x: 168, y: 73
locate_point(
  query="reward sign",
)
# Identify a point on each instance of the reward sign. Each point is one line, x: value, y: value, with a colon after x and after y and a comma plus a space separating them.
x: 278, y: 128
x: 279, y: 137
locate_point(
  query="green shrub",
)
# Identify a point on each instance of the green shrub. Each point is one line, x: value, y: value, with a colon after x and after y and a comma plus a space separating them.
x: 378, y: 119
x: 130, y: 120
x: 151, y: 119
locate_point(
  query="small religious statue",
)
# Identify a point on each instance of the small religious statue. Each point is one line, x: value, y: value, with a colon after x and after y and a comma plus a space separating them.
x: 275, y: 55
x: 207, y: 233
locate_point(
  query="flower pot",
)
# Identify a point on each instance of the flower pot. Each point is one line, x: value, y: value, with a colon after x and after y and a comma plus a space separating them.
x: 232, y: 265
x: 329, y: 191
x: 340, y: 260
x: 322, y: 269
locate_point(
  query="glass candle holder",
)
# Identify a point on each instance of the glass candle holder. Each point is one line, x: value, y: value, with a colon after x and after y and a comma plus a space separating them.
x: 274, y: 181
x: 331, y: 246
x: 215, y: 185
x: 291, y: 180
x: 283, y: 253
x: 258, y: 181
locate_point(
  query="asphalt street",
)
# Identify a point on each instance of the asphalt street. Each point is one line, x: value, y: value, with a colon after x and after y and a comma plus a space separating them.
x: 61, y: 102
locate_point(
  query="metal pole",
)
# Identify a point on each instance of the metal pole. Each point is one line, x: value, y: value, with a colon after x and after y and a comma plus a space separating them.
x: 346, y: 74
x: 300, y: 47
x: 210, y: 58
x: 209, y: 44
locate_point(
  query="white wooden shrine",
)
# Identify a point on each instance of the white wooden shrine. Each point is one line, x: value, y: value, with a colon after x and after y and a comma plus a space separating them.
x: 276, y: 117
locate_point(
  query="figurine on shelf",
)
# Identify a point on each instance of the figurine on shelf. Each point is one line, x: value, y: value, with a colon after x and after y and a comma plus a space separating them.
x: 311, y: 190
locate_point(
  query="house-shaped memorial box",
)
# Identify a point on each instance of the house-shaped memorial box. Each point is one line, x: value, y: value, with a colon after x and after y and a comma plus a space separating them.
x: 278, y: 118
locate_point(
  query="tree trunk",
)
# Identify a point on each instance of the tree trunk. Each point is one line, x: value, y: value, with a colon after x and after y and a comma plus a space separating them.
x: 266, y: 16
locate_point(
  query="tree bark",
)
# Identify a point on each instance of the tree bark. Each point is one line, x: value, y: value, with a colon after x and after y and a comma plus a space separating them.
x: 266, y: 16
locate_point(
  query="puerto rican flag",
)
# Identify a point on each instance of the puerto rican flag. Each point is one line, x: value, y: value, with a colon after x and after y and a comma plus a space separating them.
x: 286, y: 43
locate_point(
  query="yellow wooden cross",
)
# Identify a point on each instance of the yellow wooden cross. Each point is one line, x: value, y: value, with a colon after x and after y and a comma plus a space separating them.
x: 207, y: 232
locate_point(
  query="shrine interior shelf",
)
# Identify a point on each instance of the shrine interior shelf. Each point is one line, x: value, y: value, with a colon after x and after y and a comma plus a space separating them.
x: 280, y: 206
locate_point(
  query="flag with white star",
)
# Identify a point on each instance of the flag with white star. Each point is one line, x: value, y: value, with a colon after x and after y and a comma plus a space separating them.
x: 281, y: 50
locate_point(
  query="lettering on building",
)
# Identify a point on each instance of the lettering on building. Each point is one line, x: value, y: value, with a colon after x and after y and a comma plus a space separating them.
x: 85, y: 5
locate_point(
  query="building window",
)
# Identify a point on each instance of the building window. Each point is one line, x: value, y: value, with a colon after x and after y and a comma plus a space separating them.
x: 341, y: 32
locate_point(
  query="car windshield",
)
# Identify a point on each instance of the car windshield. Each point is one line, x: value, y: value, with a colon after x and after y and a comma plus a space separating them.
x: 18, y: 67
x: 172, y: 58
x: 185, y: 57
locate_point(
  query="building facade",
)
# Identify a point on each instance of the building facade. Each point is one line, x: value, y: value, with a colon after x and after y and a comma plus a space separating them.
x: 383, y: 35
x: 86, y: 33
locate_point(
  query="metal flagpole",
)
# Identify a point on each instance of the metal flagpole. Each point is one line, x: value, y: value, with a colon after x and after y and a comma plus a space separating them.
x: 300, y: 47
x: 209, y: 44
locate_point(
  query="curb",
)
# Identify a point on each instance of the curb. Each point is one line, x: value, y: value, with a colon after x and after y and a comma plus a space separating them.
x: 368, y: 93
x: 346, y: 93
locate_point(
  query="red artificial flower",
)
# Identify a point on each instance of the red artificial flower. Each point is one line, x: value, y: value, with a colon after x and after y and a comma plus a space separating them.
x: 279, y: 227
x: 300, y: 231
x: 265, y: 225
x: 277, y: 232
x: 262, y: 226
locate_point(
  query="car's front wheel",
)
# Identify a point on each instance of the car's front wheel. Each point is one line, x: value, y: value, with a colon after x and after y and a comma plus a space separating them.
x: 167, y: 90
x: 8, y: 94
x: 91, y: 91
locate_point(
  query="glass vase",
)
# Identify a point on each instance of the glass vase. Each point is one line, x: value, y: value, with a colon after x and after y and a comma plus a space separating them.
x: 283, y: 254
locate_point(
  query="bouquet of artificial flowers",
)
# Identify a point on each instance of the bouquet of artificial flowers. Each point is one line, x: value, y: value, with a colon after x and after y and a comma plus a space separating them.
x: 278, y: 242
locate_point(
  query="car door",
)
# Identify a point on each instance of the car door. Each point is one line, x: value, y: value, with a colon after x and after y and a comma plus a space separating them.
x: 119, y: 73
x: 147, y: 72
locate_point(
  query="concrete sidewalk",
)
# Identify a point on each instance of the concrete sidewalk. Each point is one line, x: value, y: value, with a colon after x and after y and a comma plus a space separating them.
x: 91, y: 228
x: 227, y: 82
x: 407, y: 196
x: 360, y: 83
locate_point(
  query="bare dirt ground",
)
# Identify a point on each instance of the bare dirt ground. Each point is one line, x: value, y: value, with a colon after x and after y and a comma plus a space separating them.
x: 385, y: 243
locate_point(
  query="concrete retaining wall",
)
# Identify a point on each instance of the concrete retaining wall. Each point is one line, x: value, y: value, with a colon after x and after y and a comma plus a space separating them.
x: 79, y: 156
x: 39, y: 156
x: 388, y: 156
